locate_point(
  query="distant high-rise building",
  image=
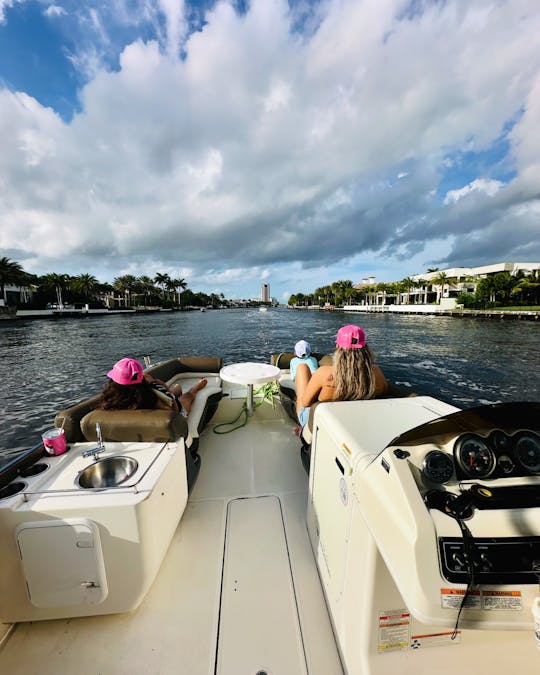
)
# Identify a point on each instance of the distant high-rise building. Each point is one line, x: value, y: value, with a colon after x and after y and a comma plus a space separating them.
x: 265, y: 293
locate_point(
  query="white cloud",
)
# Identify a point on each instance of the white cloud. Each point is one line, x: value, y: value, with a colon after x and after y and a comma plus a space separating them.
x: 487, y: 187
x: 264, y: 151
x: 6, y: 4
x: 54, y: 11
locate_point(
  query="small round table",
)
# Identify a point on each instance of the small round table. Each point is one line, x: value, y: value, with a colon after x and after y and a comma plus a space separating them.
x: 249, y: 374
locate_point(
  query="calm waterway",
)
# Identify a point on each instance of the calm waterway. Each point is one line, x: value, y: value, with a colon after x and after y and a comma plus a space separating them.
x: 47, y: 365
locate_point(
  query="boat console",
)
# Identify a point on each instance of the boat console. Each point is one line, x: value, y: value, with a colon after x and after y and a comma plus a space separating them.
x: 425, y: 522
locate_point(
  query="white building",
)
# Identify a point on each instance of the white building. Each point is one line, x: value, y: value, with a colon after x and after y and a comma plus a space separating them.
x: 430, y: 287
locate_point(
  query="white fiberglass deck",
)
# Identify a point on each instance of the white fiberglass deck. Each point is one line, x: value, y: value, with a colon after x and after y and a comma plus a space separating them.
x: 238, y: 592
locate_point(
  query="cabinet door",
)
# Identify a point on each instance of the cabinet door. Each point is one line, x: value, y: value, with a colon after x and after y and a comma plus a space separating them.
x: 62, y: 562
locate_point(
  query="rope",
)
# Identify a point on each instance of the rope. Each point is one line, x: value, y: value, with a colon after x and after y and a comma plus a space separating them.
x: 267, y: 392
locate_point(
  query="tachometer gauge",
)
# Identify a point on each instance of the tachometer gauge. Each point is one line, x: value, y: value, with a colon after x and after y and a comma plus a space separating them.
x: 438, y: 466
x: 527, y: 449
x: 474, y: 457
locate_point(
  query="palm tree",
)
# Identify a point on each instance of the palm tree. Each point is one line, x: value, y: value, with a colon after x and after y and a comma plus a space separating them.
x: 58, y: 282
x: 339, y: 289
x: 126, y: 284
x: 10, y: 273
x: 407, y: 284
x: 85, y: 284
x: 162, y: 280
x: 180, y: 285
x: 440, y: 281
x: 146, y: 286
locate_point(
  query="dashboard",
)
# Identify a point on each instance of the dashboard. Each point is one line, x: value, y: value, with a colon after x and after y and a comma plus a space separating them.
x: 496, y: 455
x: 487, y: 443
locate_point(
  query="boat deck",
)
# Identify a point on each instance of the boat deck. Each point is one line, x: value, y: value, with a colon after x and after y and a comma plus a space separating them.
x: 238, y: 592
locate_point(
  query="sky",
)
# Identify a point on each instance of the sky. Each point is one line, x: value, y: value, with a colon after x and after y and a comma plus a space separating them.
x: 242, y: 142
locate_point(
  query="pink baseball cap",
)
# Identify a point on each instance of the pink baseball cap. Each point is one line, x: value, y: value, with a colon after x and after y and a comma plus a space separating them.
x: 127, y: 371
x: 351, y: 337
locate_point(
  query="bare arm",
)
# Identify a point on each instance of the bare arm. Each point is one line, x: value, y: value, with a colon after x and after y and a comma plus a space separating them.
x: 318, y: 380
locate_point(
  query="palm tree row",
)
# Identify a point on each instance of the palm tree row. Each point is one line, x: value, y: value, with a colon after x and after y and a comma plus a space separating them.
x: 343, y: 292
x: 502, y: 287
x: 127, y: 289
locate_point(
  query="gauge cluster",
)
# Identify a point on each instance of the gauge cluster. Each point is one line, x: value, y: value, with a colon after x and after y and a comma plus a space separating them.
x: 495, y: 455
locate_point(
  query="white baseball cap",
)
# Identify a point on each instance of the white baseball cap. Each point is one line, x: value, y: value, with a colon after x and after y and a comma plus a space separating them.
x: 302, y: 349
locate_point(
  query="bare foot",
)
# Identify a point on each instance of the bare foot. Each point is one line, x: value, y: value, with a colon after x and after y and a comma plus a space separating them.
x: 201, y: 384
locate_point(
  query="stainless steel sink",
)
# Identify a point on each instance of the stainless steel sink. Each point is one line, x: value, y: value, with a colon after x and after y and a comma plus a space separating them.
x: 107, y: 472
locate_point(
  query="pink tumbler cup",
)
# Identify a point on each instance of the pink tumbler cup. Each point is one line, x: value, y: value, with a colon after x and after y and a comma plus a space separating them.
x: 54, y: 441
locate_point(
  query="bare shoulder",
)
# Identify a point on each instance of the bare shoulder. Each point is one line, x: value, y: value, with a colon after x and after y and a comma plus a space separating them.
x: 324, y: 374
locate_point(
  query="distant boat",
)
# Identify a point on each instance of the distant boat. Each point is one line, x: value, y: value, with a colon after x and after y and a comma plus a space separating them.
x: 203, y: 309
x: 263, y: 309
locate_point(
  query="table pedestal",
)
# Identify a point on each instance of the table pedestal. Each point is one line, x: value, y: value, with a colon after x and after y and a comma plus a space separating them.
x: 249, y: 374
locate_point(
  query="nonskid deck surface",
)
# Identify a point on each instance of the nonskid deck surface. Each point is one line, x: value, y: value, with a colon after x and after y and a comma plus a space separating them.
x: 263, y: 612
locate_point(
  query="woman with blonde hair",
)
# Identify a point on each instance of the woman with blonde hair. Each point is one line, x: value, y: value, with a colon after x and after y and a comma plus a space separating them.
x: 354, y: 376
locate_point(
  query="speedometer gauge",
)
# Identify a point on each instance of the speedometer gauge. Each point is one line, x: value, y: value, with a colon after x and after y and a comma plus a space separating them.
x: 527, y: 448
x: 438, y: 467
x: 474, y: 457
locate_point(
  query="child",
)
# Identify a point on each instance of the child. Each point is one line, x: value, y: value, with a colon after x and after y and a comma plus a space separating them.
x: 302, y: 349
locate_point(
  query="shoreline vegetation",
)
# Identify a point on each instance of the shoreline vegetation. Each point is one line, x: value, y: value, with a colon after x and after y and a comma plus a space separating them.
x: 24, y: 295
x: 499, y: 291
x: 62, y: 294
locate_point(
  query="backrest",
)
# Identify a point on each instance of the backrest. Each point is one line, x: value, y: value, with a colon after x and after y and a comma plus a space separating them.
x: 142, y: 426
x: 185, y: 364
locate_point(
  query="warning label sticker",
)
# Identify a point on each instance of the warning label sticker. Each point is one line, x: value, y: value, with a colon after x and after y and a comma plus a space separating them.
x: 451, y: 598
x: 482, y: 599
x: 502, y: 600
x: 394, y: 629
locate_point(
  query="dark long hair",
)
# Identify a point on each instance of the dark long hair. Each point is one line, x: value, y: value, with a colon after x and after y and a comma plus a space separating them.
x: 127, y: 396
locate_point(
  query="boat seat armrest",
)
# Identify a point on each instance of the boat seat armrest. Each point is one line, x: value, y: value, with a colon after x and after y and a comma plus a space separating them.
x: 143, y: 426
x: 71, y: 418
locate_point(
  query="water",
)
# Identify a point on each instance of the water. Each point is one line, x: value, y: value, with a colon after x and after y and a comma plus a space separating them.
x: 47, y: 365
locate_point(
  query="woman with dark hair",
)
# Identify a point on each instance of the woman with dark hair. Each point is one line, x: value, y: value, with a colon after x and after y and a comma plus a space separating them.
x: 130, y: 389
x: 354, y: 376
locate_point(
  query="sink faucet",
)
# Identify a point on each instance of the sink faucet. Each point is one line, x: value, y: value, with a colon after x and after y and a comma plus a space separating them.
x: 100, y: 445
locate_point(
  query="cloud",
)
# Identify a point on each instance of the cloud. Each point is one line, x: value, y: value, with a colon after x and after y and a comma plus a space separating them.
x: 54, y: 11
x: 6, y: 4
x: 488, y: 187
x: 274, y: 138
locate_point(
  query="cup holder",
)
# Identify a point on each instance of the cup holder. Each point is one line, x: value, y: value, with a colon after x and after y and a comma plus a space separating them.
x: 12, y: 489
x: 33, y: 470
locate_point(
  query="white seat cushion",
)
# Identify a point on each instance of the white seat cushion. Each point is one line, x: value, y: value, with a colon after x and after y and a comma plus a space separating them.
x: 187, y: 380
x: 285, y: 380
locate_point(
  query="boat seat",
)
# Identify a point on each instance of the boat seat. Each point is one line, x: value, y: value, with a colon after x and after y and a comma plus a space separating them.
x: 191, y: 367
x: 205, y: 403
x: 157, y: 425
x: 141, y: 426
x: 287, y: 387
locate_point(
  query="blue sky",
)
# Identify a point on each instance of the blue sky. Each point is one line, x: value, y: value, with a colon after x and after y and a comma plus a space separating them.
x: 295, y: 143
